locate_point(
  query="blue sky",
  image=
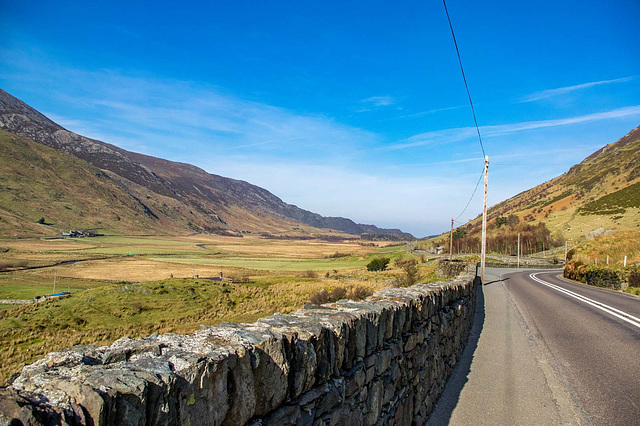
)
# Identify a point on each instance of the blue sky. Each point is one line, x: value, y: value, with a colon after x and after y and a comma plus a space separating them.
x: 352, y: 109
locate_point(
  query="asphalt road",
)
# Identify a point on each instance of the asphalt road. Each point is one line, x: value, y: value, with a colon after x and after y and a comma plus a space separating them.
x: 593, y: 343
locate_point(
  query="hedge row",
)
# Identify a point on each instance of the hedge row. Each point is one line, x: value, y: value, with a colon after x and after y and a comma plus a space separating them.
x: 613, y: 277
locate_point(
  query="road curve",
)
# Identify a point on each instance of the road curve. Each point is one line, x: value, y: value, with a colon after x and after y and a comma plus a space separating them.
x: 592, y: 335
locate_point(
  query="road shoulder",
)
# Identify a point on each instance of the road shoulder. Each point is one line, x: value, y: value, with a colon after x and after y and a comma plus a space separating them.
x: 504, y: 377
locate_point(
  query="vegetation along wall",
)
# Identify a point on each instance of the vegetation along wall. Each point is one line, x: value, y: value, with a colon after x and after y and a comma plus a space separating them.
x: 384, y: 360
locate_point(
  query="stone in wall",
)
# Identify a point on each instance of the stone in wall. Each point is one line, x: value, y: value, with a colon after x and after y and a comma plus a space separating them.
x: 384, y: 360
x: 450, y: 268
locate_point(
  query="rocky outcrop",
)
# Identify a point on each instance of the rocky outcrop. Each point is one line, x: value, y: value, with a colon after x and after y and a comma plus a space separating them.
x: 380, y: 361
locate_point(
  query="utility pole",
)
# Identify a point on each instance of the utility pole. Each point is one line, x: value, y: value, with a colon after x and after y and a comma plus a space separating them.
x: 451, y: 241
x: 484, y: 219
x: 518, y: 250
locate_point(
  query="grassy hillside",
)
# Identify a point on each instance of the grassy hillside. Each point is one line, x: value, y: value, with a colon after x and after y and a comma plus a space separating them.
x: 40, y: 182
x: 184, y: 195
x: 69, y: 193
x: 603, y: 191
x: 599, y: 195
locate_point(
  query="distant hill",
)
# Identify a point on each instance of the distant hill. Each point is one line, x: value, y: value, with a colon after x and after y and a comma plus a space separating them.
x: 601, y: 193
x: 119, y: 190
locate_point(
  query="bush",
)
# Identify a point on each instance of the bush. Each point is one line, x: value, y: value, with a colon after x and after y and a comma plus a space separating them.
x: 410, y: 273
x: 338, y: 293
x: 308, y: 274
x: 360, y: 292
x: 6, y: 266
x: 321, y: 297
x: 594, y: 275
x: 338, y: 255
x: 378, y: 264
x: 602, y: 277
x: 634, y: 278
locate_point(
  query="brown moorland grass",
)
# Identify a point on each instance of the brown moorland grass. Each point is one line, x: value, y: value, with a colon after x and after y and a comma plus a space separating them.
x: 616, y: 246
x: 134, y: 296
x: 101, y: 315
x: 138, y: 269
x: 46, y: 245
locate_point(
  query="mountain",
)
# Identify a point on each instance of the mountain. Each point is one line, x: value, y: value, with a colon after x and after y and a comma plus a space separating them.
x: 600, y: 193
x: 138, y: 192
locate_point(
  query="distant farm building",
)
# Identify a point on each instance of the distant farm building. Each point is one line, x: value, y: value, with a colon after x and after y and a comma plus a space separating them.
x: 437, y: 250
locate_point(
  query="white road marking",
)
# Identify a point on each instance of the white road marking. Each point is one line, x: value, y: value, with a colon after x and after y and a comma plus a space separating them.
x: 606, y: 308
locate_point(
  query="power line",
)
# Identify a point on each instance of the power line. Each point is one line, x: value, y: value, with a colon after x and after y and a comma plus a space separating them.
x: 472, y: 195
x: 464, y: 78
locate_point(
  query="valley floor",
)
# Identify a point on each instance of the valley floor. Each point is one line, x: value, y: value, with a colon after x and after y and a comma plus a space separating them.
x: 140, y: 285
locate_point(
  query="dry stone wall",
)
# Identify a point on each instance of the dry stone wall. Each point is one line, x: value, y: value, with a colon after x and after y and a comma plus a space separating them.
x: 384, y: 360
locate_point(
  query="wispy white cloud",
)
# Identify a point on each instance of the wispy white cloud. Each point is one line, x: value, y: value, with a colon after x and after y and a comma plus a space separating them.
x: 383, y: 199
x: 379, y: 101
x: 625, y: 112
x: 544, y: 94
x: 429, y: 111
x: 448, y: 136
x: 437, y: 137
x: 167, y: 117
x: 310, y: 160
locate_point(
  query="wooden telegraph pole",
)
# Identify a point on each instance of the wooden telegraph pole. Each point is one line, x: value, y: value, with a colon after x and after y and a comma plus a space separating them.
x: 451, y: 241
x: 484, y: 219
x: 518, y: 249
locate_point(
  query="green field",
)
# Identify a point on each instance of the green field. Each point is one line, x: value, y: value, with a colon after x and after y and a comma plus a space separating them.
x: 275, y: 264
x: 28, y: 286
x: 114, y: 294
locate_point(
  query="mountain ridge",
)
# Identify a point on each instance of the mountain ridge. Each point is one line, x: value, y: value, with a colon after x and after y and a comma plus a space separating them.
x: 215, y: 203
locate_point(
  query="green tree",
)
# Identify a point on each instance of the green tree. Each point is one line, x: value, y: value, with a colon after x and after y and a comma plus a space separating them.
x: 378, y: 264
x: 459, y: 233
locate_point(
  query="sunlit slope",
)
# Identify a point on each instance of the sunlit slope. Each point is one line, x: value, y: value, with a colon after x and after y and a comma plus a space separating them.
x: 191, y: 198
x: 39, y: 182
x: 603, y: 191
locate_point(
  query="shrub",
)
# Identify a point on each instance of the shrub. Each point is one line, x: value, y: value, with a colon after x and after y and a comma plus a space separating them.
x: 12, y: 264
x: 634, y: 278
x: 360, y: 292
x: 338, y: 293
x: 338, y: 255
x: 308, y: 274
x: 378, y: 264
x: 603, y: 277
x: 321, y: 297
x: 410, y: 273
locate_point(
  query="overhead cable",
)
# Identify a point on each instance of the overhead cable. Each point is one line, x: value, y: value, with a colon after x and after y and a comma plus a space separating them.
x: 472, y: 195
x: 464, y: 78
